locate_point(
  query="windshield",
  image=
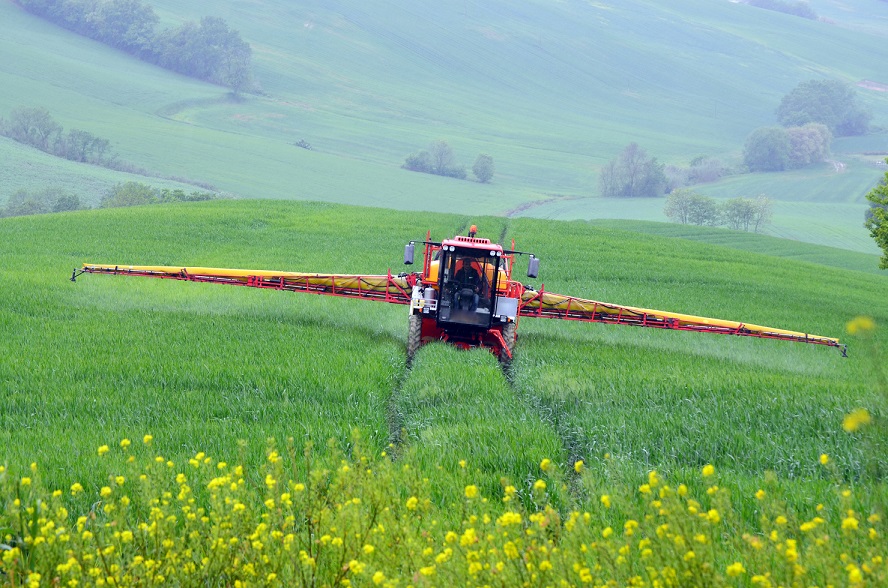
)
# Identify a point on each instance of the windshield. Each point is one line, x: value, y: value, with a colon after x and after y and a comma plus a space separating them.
x: 466, y: 294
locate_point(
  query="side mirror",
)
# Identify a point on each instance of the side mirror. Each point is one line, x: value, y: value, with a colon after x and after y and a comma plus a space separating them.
x: 408, y: 253
x: 533, y: 267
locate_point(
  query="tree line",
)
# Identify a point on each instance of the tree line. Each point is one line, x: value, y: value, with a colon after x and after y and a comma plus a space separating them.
x: 55, y: 199
x: 208, y: 50
x: 37, y: 128
x: 439, y: 159
x: 741, y: 214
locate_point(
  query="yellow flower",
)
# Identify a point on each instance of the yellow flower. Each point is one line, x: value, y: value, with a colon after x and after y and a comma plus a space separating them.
x: 645, y: 489
x: 708, y: 470
x: 653, y: 479
x: 124, y: 443
x: 103, y: 450
x: 105, y: 491
x: 824, y: 459
x: 713, y: 516
x: 471, y: 491
x: 539, y: 485
x: 856, y: 419
x: 26, y: 481
x: 368, y: 549
x: 76, y: 488
x: 378, y: 578
x: 412, y: 502
x: 147, y: 439
x: 780, y: 520
x: 546, y: 464
x: 735, y: 569
x: 606, y: 501
x: 607, y: 532
x: 578, y: 466
x: 850, y: 524
x: 760, y: 494
x: 689, y: 556
x: 860, y: 324
x: 462, y: 463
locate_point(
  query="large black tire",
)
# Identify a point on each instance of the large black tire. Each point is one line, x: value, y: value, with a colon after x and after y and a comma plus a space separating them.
x: 414, y: 336
x: 510, y: 335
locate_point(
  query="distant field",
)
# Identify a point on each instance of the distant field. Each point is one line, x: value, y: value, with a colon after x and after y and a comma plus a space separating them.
x: 550, y: 91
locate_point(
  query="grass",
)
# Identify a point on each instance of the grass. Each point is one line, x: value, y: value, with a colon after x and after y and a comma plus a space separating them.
x: 203, y: 368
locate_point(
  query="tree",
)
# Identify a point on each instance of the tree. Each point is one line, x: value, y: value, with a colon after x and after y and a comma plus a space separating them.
x: 688, y: 207
x: 877, y: 221
x: 24, y: 202
x: 421, y: 161
x: 767, y: 149
x: 632, y: 175
x: 33, y: 126
x: 763, y: 212
x: 829, y: 102
x: 441, y: 156
x: 129, y: 194
x: 483, y: 168
x: 741, y: 214
x: 808, y: 144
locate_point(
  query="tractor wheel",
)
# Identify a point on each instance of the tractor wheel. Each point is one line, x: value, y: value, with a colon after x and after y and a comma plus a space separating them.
x: 510, y: 332
x: 414, y: 336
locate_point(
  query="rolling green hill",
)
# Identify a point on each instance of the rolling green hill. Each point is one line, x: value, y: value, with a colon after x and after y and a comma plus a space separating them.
x: 551, y: 91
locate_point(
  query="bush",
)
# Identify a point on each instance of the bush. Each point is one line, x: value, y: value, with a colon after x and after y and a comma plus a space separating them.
x: 23, y: 202
x: 483, y: 168
x: 828, y: 102
x: 632, y: 175
x: 139, y: 194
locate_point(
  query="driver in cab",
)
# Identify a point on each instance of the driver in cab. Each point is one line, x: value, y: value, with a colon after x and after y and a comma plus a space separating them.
x: 468, y: 285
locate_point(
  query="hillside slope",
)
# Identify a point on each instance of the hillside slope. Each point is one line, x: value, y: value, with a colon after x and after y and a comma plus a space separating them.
x: 551, y: 91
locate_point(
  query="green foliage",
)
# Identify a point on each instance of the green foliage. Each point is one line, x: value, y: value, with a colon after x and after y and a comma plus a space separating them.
x: 139, y: 194
x: 744, y: 214
x: 37, y: 128
x: 829, y: 102
x: 439, y: 160
x: 208, y: 50
x: 767, y: 149
x: 24, y: 202
x: 687, y: 207
x: 483, y: 168
x: 632, y: 175
x: 877, y: 217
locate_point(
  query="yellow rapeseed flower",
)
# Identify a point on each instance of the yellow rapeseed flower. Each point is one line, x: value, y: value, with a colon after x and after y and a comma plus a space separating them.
x: 850, y: 524
x: 824, y: 459
x: 539, y: 485
x: 860, y: 324
x: 147, y: 439
x: 103, y: 450
x: 412, y: 502
x: 713, y: 516
x: 471, y: 491
x: 708, y: 470
x: 760, y: 494
x: 856, y: 419
x: 546, y: 464
x: 606, y: 500
x: 578, y: 466
x: 378, y: 578
x: 735, y: 569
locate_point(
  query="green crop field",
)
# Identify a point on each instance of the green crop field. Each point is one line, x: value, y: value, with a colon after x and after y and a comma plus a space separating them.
x: 157, y: 432
x: 204, y: 368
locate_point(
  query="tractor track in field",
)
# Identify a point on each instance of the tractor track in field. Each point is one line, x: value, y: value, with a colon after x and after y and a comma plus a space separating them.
x: 393, y: 417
